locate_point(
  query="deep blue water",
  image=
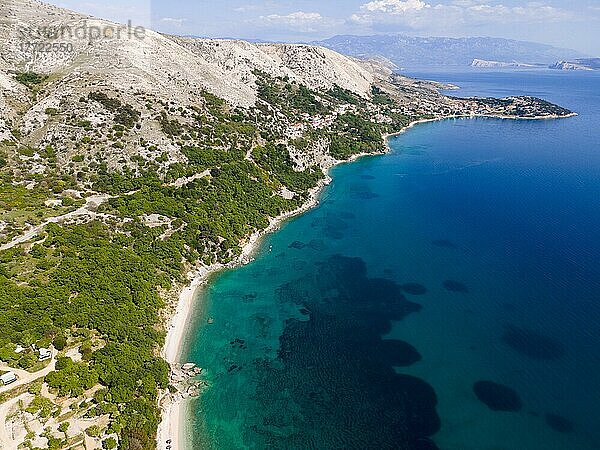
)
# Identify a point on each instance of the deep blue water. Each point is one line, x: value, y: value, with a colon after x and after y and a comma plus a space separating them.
x: 469, y: 253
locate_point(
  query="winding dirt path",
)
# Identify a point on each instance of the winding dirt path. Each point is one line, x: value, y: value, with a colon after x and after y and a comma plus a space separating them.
x: 91, y: 204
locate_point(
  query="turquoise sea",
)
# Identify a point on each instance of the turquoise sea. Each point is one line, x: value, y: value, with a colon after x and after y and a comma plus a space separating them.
x: 445, y: 295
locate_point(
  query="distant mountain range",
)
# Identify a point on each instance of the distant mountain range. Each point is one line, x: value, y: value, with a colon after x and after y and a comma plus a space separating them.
x: 415, y: 52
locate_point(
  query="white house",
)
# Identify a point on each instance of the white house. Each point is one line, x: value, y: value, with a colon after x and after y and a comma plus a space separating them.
x: 8, y: 378
x: 45, y: 354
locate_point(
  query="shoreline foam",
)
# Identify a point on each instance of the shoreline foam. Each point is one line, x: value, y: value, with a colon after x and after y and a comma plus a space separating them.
x: 173, y: 412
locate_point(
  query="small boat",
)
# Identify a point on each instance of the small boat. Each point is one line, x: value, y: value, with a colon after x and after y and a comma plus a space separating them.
x: 211, y: 321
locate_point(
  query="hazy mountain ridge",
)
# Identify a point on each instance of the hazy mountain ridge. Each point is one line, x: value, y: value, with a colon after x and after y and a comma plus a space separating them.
x: 407, y: 51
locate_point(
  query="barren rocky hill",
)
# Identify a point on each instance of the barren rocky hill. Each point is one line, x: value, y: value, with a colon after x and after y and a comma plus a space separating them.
x: 82, y: 54
x: 160, y: 63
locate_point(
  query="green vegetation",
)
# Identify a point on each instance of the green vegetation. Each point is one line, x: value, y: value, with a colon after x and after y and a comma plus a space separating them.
x: 292, y: 98
x: 276, y: 160
x: 124, y: 114
x: 19, y: 197
x: 380, y: 97
x: 95, y: 281
x: 354, y: 135
x: 343, y: 95
x: 30, y: 79
x: 42, y: 406
x: 109, y: 444
x: 71, y: 378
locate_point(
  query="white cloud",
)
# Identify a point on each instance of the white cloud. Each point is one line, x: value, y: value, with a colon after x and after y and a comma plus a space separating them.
x: 394, y: 6
x: 294, y: 18
x: 298, y: 21
x: 417, y: 15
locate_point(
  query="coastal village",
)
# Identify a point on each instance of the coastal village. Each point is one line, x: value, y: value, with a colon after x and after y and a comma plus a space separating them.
x: 432, y: 105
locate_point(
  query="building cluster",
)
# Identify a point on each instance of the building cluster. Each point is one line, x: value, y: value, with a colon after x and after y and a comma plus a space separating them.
x: 43, y: 354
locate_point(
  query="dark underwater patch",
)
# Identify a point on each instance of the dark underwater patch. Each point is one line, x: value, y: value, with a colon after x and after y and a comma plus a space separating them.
x: 332, y: 225
x: 367, y: 177
x: 333, y: 233
x: 399, y: 353
x: 424, y: 444
x: 444, y: 243
x: 298, y: 245
x: 497, y: 397
x: 333, y: 383
x: 261, y: 325
x: 532, y: 344
x: 317, y: 245
x: 364, y: 195
x: 238, y: 343
x: 362, y: 192
x: 559, y: 423
x: 456, y: 286
x: 414, y: 289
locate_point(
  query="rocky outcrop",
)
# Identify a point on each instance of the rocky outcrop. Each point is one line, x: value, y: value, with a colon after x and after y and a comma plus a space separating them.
x: 578, y: 64
x: 482, y: 63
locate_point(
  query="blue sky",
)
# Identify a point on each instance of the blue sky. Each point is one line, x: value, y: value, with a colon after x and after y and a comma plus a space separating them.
x: 572, y: 23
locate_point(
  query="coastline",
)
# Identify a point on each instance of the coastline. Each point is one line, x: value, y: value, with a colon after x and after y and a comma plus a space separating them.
x: 173, y: 411
x: 474, y: 116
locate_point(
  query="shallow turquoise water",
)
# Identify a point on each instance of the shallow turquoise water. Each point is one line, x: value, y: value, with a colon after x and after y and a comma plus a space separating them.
x: 320, y: 342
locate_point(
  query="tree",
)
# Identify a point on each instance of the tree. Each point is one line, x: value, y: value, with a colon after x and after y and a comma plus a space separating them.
x: 109, y: 443
x: 59, y: 342
x: 63, y: 428
x: 93, y: 431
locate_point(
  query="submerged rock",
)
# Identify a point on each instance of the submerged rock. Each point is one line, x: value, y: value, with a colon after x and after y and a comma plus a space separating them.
x: 399, y: 353
x: 559, y: 423
x: 456, y: 286
x: 317, y: 245
x: 497, y: 397
x: 532, y: 344
x: 298, y: 245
